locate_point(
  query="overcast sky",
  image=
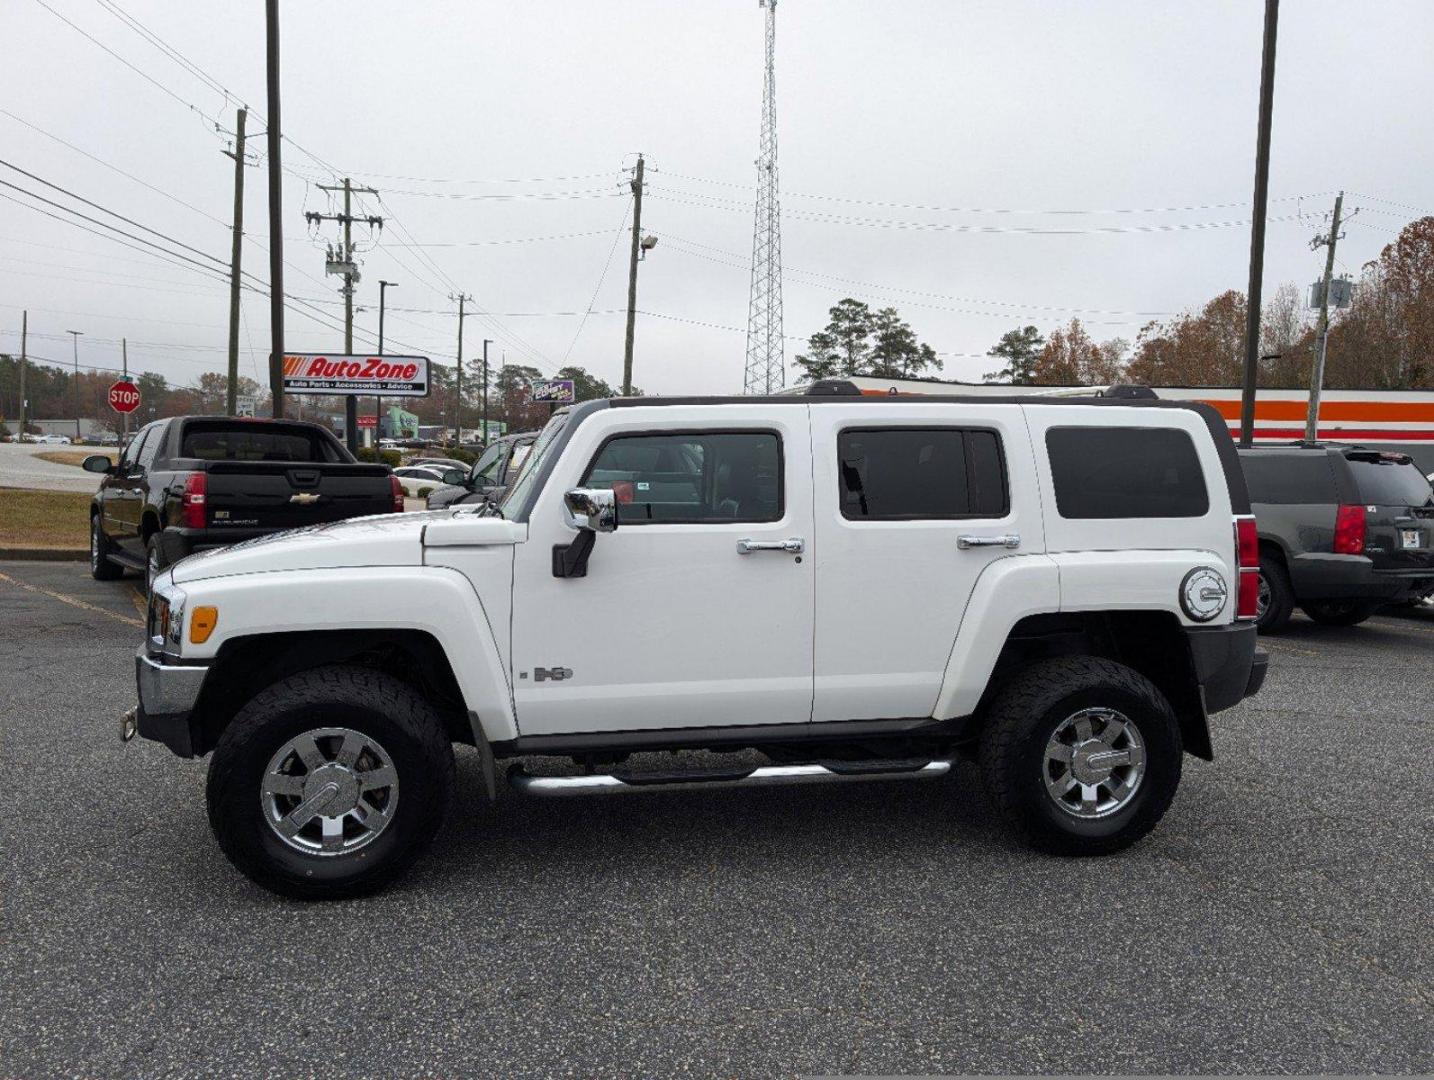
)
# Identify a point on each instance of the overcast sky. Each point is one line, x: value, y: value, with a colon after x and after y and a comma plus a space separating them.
x: 497, y: 135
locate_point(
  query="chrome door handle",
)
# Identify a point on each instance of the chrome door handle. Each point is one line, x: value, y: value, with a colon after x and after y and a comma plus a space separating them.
x: 967, y: 541
x: 795, y: 546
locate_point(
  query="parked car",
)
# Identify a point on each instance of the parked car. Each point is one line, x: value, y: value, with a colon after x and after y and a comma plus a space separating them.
x: 440, y: 463
x: 418, y: 479
x: 1343, y: 530
x: 51, y: 440
x: 487, y: 479
x: 856, y: 587
x: 190, y: 483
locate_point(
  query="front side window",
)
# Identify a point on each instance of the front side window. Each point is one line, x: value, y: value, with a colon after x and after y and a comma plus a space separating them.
x: 131, y: 451
x: 1126, y: 472
x: 485, y: 469
x: 692, y: 478
x: 900, y: 474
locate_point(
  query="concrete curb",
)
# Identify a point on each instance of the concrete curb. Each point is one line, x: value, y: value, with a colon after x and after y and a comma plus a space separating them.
x: 44, y: 554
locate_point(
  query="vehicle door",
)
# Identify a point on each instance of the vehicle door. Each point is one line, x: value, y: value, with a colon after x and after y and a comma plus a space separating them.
x: 697, y: 610
x: 913, y: 502
x: 124, y: 495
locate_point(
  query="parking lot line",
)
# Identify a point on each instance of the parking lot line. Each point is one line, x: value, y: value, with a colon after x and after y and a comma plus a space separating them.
x: 140, y: 603
x: 73, y: 602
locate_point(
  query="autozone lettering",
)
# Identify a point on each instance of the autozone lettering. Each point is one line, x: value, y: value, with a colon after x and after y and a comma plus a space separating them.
x: 393, y: 376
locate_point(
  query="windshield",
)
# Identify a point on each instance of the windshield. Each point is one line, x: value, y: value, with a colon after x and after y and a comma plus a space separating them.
x: 519, y: 497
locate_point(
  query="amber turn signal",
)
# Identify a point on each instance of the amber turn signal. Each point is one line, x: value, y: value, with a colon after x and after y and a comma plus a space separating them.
x: 202, y: 624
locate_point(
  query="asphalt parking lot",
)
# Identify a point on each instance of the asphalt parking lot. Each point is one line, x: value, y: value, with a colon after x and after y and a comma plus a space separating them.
x: 1281, y: 919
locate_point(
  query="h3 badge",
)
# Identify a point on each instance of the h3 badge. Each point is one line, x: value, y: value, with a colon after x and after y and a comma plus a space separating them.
x: 556, y: 674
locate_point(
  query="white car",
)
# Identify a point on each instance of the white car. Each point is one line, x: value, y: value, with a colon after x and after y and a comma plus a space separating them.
x: 857, y: 587
x: 51, y: 440
x: 417, y: 478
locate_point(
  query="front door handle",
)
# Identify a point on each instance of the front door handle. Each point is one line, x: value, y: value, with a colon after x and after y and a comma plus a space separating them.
x: 794, y: 545
x: 966, y: 540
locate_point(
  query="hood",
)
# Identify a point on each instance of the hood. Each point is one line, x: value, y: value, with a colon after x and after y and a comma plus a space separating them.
x: 381, y: 540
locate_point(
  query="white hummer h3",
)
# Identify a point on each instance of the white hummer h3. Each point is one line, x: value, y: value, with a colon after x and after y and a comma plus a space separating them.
x: 854, y: 587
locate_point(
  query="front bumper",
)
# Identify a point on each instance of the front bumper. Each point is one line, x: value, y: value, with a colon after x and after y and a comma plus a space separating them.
x: 167, y: 694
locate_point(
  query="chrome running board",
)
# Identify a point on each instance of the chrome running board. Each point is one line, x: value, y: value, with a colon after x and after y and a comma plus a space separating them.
x: 524, y: 781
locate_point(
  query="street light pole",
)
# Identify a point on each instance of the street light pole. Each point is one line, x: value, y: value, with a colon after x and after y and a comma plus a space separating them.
x: 75, y: 390
x: 486, y: 343
x: 383, y: 287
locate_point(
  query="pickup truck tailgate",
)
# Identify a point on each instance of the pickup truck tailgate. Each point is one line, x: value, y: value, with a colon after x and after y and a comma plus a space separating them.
x: 288, y: 495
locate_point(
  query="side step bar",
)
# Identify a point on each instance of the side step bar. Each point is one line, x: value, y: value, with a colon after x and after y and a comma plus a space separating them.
x: 724, y: 778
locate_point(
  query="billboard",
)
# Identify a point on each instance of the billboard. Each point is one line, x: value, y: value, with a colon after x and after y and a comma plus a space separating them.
x: 555, y: 390
x: 370, y: 376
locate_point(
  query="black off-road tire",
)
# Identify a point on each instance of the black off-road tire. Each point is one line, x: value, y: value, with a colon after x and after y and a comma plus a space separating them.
x: 1339, y: 612
x: 1019, y: 724
x: 1281, y: 603
x: 370, y: 702
x: 101, y: 566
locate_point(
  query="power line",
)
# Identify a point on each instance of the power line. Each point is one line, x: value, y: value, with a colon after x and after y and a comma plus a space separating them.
x: 607, y: 263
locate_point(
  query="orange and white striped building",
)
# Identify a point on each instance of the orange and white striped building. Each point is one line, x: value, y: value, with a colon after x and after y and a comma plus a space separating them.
x: 1399, y: 420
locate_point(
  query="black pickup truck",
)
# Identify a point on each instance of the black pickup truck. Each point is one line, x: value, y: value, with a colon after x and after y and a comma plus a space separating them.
x: 192, y: 482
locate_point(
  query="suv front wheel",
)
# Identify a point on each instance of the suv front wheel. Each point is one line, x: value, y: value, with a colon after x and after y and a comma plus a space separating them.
x: 1081, y: 754
x: 330, y: 783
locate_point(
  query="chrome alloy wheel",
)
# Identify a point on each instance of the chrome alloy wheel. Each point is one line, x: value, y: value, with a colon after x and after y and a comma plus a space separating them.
x: 94, y: 543
x: 329, y: 791
x: 151, y: 568
x: 1094, y: 763
x: 1262, y: 598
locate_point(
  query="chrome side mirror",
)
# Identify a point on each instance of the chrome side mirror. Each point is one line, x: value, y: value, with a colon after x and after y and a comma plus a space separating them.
x: 594, y: 509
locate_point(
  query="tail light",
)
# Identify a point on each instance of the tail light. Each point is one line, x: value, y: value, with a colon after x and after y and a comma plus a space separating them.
x: 397, y: 488
x: 1247, y: 554
x: 195, y: 486
x: 1349, y: 525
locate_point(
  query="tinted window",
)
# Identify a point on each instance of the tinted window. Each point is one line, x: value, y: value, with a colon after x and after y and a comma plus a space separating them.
x: 904, y: 473
x: 1124, y: 472
x: 1389, y: 482
x: 1286, y: 479
x: 691, y: 478
x: 150, y: 450
x: 254, y: 442
x: 131, y: 451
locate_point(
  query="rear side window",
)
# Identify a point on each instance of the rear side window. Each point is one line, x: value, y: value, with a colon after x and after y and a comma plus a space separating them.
x: 899, y: 474
x: 1126, y: 472
x: 692, y: 478
x: 254, y: 442
x: 1389, y: 481
x: 1288, y: 479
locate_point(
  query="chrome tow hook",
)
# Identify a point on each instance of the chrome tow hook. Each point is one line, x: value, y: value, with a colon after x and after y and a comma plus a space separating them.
x: 129, y: 724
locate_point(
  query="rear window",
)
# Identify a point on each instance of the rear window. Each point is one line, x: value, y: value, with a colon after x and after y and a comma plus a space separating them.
x: 255, y: 442
x: 1288, y: 478
x: 894, y: 474
x: 1389, y: 481
x: 1126, y: 472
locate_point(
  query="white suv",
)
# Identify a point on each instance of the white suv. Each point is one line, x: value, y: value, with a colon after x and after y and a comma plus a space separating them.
x: 855, y: 587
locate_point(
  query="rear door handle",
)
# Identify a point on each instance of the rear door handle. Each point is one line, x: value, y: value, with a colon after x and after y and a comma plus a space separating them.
x: 1011, y: 540
x: 794, y: 545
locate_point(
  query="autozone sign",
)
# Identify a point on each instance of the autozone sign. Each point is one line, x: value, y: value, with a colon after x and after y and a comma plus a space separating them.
x: 371, y: 376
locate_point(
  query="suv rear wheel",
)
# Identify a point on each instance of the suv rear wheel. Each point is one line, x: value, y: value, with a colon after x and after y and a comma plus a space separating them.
x: 1339, y: 612
x: 1081, y: 754
x: 101, y: 568
x: 330, y: 783
x: 1276, y: 599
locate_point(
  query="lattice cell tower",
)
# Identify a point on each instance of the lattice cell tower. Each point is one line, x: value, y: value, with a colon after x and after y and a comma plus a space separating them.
x: 766, y: 372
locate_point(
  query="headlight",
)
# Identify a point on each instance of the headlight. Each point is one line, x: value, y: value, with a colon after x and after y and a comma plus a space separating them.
x: 166, y: 618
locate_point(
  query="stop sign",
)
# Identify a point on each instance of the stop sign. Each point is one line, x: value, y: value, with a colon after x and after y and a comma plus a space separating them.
x: 124, y: 396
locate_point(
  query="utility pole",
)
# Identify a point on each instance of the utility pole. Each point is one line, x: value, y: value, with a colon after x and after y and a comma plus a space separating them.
x: 342, y: 263
x: 276, y: 213
x: 24, y: 346
x: 1317, y: 372
x: 632, y: 277
x: 235, y: 256
x: 1253, y: 295
x: 383, y: 287
x: 75, y: 389
x: 462, y: 299
x: 124, y: 364
x: 486, y: 343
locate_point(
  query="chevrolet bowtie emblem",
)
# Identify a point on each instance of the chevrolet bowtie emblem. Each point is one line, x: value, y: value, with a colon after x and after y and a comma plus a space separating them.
x: 304, y: 498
